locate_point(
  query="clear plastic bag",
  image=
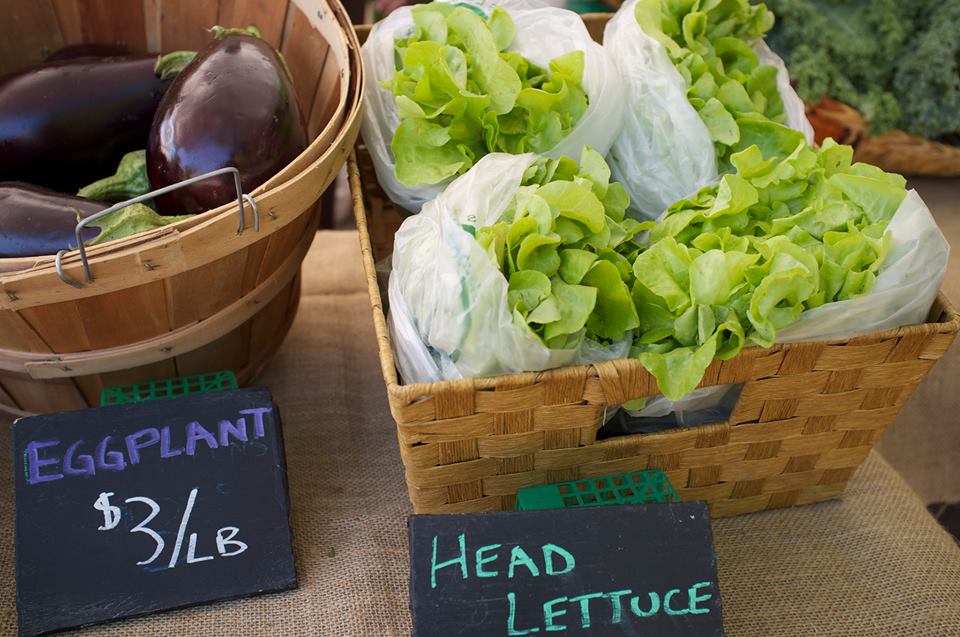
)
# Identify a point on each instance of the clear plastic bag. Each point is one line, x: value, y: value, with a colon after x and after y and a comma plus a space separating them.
x: 664, y: 152
x: 542, y: 34
x: 905, y: 289
x: 449, y: 316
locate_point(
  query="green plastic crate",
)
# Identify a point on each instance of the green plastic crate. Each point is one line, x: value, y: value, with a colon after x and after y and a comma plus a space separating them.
x: 168, y: 388
x: 641, y: 487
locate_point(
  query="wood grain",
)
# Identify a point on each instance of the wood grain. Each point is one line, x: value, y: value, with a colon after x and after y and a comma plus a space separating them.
x: 305, y: 51
x: 103, y: 22
x: 31, y: 32
x: 184, y: 25
x: 266, y: 15
x: 60, y: 394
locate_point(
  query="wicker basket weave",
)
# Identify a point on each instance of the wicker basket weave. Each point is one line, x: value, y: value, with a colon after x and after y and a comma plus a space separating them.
x: 807, y: 416
x: 894, y: 151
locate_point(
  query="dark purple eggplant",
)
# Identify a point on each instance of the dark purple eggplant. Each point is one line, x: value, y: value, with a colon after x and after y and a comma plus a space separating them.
x: 66, y: 124
x: 35, y: 221
x: 84, y: 50
x: 234, y: 105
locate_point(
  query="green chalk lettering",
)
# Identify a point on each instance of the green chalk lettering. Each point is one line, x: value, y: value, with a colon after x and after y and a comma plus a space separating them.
x: 654, y: 605
x: 549, y: 613
x: 694, y: 598
x: 666, y: 603
x: 584, y: 601
x: 615, y: 602
x: 481, y: 560
x: 512, y: 619
x: 461, y: 560
x: 549, y: 550
x: 519, y: 557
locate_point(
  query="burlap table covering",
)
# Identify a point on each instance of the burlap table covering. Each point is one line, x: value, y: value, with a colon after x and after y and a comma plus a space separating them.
x: 871, y: 563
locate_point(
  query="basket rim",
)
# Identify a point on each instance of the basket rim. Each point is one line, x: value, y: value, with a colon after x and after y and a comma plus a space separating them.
x: 946, y: 322
x: 344, y: 117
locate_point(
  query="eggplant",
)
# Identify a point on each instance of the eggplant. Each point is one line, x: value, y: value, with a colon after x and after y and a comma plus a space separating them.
x: 68, y: 123
x: 84, y: 50
x: 35, y: 221
x: 234, y: 105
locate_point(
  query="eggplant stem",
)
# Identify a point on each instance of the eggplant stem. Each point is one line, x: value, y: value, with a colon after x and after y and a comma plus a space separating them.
x: 128, y: 182
x: 220, y: 32
x: 170, y: 65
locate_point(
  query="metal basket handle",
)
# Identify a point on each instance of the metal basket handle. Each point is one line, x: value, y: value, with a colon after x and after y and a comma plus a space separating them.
x: 241, y: 197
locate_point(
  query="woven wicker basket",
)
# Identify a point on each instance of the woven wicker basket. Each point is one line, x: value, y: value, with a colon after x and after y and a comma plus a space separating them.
x: 894, y: 151
x: 807, y: 415
x: 195, y: 296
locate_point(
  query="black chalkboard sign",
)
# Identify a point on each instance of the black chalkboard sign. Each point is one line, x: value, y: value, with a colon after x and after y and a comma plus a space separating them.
x: 137, y: 508
x: 614, y: 570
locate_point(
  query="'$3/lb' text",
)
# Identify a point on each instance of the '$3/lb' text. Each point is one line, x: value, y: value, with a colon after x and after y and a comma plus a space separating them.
x: 227, y: 545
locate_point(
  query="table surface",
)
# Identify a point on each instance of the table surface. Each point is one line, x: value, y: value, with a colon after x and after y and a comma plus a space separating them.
x: 870, y: 563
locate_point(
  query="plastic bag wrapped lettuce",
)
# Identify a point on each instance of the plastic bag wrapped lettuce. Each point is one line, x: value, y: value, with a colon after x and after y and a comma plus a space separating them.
x: 450, y: 83
x: 696, y: 73
x: 514, y: 267
x: 807, y: 246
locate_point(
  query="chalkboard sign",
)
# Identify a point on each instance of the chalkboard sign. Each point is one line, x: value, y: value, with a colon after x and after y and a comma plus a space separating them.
x: 616, y: 570
x: 137, y: 508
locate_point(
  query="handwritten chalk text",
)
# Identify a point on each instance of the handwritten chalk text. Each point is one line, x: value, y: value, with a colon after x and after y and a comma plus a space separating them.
x: 44, y: 464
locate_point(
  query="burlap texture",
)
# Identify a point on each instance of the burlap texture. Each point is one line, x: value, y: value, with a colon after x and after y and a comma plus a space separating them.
x: 873, y: 563
x: 923, y: 443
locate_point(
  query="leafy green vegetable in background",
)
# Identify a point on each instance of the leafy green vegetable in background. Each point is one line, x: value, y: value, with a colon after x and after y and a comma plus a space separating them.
x: 460, y: 95
x: 557, y: 245
x: 708, y: 42
x: 898, y: 63
x: 927, y: 82
x: 743, y: 258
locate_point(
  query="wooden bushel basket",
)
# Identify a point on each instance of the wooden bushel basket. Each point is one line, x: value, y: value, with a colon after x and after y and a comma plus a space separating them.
x: 806, y: 417
x: 195, y: 296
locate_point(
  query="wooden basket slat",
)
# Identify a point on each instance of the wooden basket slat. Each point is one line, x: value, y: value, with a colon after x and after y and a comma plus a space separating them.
x: 274, y: 319
x: 267, y: 15
x: 189, y: 296
x: 323, y: 110
x: 102, y: 321
x: 103, y: 21
x: 278, y: 316
x: 281, y: 244
x: 57, y: 324
x: 251, y: 269
x: 6, y: 400
x: 17, y: 333
x: 129, y: 316
x: 323, y: 58
x: 231, y: 351
x: 183, y: 25
x: 32, y: 397
x: 305, y: 51
x: 38, y: 33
